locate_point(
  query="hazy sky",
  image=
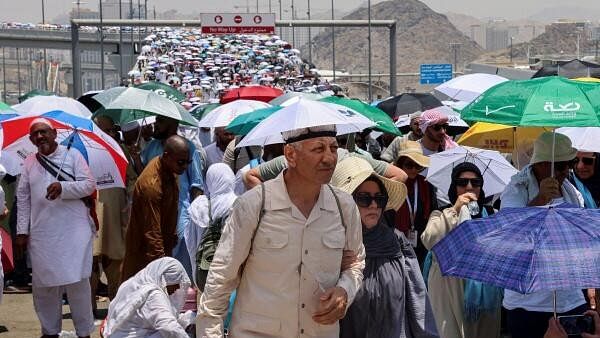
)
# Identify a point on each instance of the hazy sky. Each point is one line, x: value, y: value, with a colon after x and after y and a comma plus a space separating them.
x: 30, y: 10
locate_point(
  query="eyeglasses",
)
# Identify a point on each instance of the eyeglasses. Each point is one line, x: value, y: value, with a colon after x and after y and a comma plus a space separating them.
x: 364, y: 200
x: 584, y: 160
x: 437, y: 127
x: 181, y: 163
x: 463, y: 182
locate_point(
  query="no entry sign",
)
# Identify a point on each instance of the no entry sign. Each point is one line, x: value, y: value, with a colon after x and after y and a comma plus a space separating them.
x: 231, y: 23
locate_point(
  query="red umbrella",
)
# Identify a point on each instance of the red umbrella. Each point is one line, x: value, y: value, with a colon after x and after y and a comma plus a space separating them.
x: 258, y: 93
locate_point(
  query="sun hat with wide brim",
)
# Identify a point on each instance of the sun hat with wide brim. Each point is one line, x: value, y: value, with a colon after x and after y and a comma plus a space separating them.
x: 414, y: 151
x: 352, y: 171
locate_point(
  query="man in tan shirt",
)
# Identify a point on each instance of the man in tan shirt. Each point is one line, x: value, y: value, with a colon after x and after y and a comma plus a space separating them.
x: 287, y: 268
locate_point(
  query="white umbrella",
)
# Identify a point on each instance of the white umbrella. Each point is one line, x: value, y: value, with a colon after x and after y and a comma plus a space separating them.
x: 223, y: 115
x: 39, y: 105
x: 583, y: 138
x: 304, y: 114
x: 496, y: 170
x: 469, y: 87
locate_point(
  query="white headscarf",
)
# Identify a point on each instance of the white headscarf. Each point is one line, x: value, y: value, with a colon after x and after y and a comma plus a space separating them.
x: 220, y: 184
x: 133, y: 293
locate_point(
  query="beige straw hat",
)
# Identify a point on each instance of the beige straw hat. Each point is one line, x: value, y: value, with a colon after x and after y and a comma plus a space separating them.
x: 414, y: 151
x: 353, y: 171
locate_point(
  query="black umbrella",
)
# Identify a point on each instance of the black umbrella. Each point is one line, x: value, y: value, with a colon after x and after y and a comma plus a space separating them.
x: 408, y: 103
x: 87, y: 100
x: 570, y: 69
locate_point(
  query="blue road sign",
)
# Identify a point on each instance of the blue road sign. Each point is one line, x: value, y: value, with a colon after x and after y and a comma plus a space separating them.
x: 435, y: 73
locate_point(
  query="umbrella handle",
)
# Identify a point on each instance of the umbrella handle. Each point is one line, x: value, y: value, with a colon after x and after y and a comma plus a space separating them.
x: 554, y: 301
x: 69, y: 145
x: 552, y: 169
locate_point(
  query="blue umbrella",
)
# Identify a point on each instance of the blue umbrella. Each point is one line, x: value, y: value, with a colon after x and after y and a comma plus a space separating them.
x: 526, y: 249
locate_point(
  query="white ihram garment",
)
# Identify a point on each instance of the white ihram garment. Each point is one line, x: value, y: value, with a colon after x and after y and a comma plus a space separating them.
x: 220, y: 183
x: 143, y: 308
x: 60, y: 235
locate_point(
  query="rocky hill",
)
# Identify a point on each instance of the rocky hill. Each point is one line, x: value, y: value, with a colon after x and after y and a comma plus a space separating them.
x: 423, y: 36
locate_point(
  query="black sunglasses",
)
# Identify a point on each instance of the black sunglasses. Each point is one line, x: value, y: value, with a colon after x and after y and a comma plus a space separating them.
x: 181, y: 163
x: 411, y: 165
x: 463, y: 182
x: 364, y: 200
x: 437, y: 127
x: 584, y: 160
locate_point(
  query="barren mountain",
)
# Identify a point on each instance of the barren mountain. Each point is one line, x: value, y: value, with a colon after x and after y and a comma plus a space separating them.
x: 423, y: 36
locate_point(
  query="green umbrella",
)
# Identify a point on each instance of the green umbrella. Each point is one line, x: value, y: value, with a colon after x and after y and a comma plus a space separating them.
x: 242, y: 124
x: 383, y: 120
x: 35, y: 92
x: 163, y: 90
x: 4, y: 107
x: 543, y: 102
x: 126, y: 104
x: 202, y: 110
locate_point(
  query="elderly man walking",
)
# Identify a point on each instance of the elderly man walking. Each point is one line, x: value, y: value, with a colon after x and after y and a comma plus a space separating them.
x: 152, y: 229
x: 282, y: 249
x: 55, y: 223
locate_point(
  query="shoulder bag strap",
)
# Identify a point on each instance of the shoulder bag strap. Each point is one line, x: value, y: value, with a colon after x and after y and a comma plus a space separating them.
x: 337, y: 201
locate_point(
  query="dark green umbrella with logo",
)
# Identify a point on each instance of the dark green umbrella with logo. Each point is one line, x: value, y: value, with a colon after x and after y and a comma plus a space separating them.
x: 383, y: 121
x: 163, y: 90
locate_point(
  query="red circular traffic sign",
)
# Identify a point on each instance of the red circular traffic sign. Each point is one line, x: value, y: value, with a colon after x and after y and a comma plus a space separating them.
x: 237, y: 19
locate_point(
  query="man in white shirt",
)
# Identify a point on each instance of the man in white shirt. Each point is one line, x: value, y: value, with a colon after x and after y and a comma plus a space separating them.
x: 216, y: 150
x: 54, y: 222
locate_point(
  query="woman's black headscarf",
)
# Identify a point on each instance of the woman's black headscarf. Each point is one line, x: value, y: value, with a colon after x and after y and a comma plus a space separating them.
x: 459, y: 169
x: 593, y: 183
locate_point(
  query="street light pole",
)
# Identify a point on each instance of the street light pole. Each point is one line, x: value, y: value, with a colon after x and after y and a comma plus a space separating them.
x: 309, y: 36
x: 511, y: 49
x: 333, y: 40
x: 44, y: 70
x: 256, y: 6
x: 120, y: 43
x: 280, y: 28
x: 3, y: 75
x: 369, y: 47
x: 102, y: 84
x: 293, y: 27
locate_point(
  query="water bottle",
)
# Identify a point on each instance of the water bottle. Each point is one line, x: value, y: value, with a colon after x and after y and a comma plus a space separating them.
x: 473, y: 208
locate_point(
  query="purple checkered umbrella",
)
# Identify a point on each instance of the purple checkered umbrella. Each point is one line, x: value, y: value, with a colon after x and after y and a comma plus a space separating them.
x: 526, y: 249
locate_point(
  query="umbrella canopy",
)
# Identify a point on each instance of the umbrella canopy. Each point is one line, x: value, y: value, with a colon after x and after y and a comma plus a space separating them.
x: 383, y: 122
x: 102, y: 153
x: 408, y: 103
x: 526, y: 249
x: 124, y: 105
x: 223, y: 115
x: 468, y: 87
x: 499, y: 137
x: 570, y: 69
x: 163, y: 90
x: 4, y: 108
x: 258, y: 93
x: 283, y: 100
x: 543, y: 102
x: 38, y: 105
x: 455, y: 124
x: 87, y: 100
x: 583, y: 139
x: 33, y: 93
x: 244, y: 123
x: 305, y: 114
x: 199, y: 111
x: 495, y: 168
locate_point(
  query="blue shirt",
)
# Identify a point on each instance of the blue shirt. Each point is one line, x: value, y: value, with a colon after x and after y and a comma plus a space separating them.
x: 191, y: 178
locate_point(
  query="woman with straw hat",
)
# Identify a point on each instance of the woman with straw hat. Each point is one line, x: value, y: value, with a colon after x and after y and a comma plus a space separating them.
x: 392, y: 301
x: 413, y: 215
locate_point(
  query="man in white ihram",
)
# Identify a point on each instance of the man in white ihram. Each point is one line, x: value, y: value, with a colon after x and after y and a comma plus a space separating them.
x: 55, y: 223
x: 286, y: 264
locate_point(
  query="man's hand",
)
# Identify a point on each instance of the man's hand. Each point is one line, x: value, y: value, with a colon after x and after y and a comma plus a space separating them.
x: 348, y: 258
x: 549, y: 190
x: 5, y: 213
x: 332, y: 306
x: 592, y: 296
x: 251, y: 178
x: 596, y: 317
x: 555, y: 330
x: 53, y: 191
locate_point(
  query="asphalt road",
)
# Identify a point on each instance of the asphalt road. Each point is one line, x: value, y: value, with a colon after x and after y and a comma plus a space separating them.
x: 18, y: 319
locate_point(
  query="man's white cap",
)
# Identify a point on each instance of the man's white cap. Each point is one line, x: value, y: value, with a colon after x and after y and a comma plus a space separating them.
x: 40, y: 120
